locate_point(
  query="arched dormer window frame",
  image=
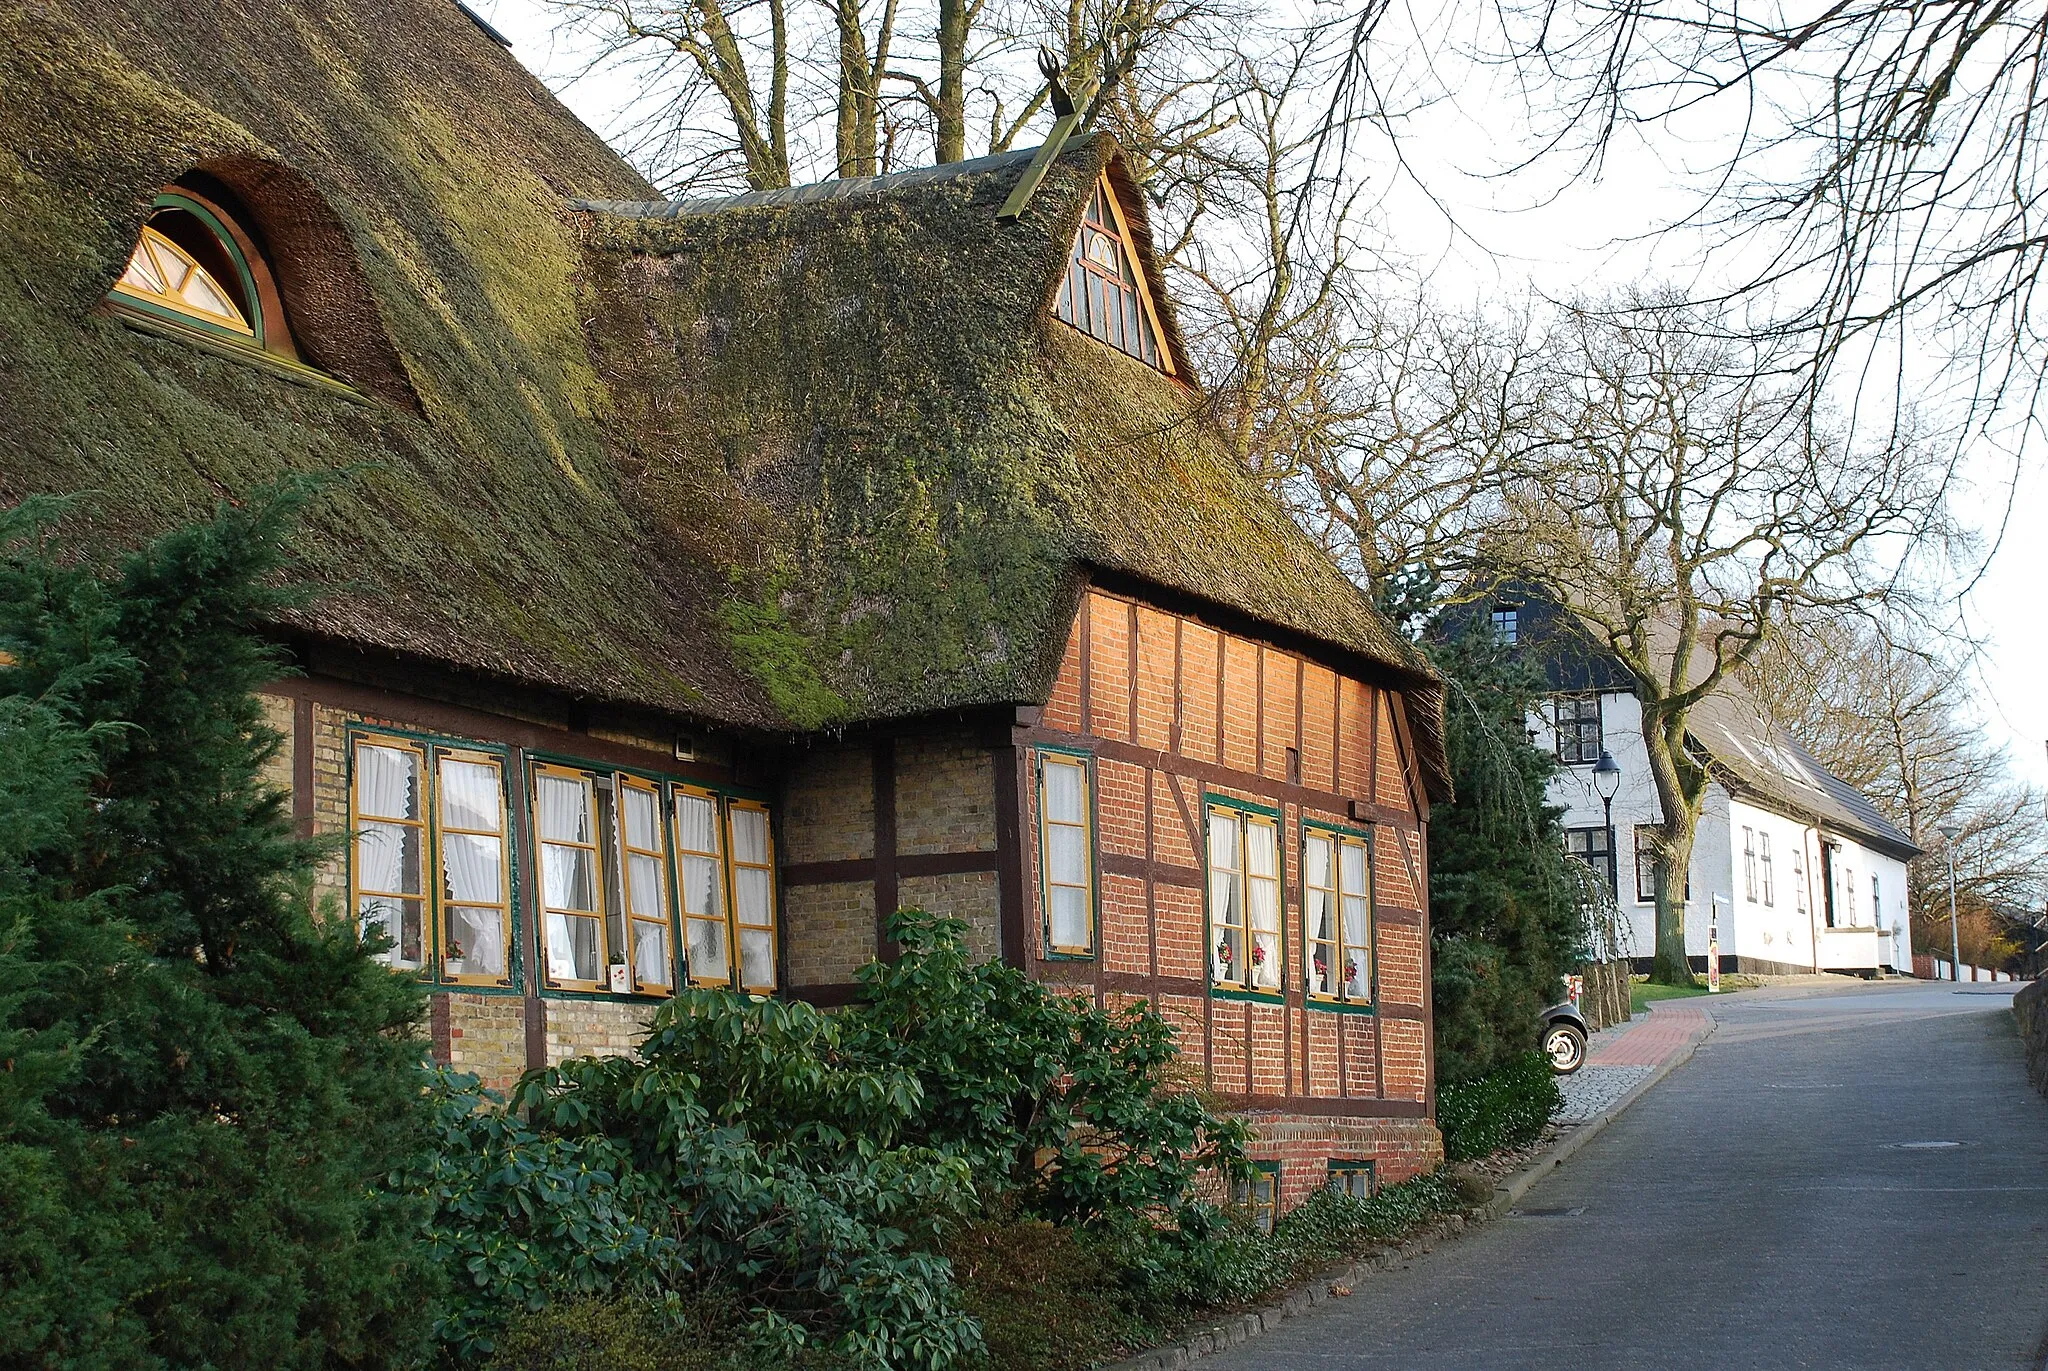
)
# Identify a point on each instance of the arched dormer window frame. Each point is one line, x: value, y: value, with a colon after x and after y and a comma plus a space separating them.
x: 1104, y: 292
x: 242, y: 294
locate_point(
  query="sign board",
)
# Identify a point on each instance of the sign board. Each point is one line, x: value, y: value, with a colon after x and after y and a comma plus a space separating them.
x: 1575, y: 989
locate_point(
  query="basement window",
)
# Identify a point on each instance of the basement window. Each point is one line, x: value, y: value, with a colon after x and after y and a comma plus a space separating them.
x: 1356, y: 1178
x: 1258, y: 1196
x: 1337, y: 914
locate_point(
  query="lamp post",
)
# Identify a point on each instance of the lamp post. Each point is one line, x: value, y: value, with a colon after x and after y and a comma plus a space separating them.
x: 1955, y: 938
x: 1607, y: 780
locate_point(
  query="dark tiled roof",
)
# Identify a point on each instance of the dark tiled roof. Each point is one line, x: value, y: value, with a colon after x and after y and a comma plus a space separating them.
x: 1756, y: 756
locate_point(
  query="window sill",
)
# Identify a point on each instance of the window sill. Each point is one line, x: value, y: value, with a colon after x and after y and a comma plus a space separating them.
x: 1342, y: 1006
x: 577, y: 992
x: 1060, y: 955
x: 281, y: 367
x: 1231, y: 992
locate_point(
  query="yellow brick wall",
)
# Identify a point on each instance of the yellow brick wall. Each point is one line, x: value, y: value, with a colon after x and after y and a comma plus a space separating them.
x: 968, y: 895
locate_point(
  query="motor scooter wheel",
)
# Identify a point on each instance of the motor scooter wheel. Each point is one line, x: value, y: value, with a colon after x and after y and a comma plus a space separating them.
x: 1565, y: 1046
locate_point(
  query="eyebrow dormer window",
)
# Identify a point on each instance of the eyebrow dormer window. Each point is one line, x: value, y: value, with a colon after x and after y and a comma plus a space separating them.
x: 164, y: 274
x: 195, y: 268
x: 1103, y: 294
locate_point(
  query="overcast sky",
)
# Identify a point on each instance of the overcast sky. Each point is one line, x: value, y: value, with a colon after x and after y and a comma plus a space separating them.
x: 1580, y: 239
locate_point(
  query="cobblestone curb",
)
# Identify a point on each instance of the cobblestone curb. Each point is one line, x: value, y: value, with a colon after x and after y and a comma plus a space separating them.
x: 1321, y: 1292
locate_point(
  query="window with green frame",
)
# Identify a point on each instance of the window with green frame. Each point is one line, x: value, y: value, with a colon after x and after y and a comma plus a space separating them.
x: 1357, y: 1178
x: 1336, y: 913
x: 430, y: 859
x: 1244, y: 897
x: 1257, y: 1197
x: 1066, y: 853
x: 610, y: 914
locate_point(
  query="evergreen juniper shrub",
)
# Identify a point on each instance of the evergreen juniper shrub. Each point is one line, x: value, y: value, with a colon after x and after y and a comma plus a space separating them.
x: 208, y: 1082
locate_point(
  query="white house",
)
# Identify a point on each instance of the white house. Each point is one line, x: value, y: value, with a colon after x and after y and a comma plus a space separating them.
x: 1793, y: 869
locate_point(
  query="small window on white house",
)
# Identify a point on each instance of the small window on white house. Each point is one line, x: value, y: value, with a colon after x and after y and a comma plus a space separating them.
x: 1066, y: 850
x: 1749, y: 865
x: 1594, y: 847
x: 1646, y: 865
x: 1763, y: 869
x: 1876, y: 901
x: 1799, y: 880
x: 1578, y: 729
x: 1244, y: 899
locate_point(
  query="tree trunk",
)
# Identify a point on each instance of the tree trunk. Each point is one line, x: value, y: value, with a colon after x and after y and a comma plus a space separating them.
x: 950, y: 114
x: 1681, y: 788
x: 859, y: 104
x: 1670, y: 966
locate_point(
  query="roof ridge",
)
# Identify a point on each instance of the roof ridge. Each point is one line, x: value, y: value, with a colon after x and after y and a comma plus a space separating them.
x: 842, y: 188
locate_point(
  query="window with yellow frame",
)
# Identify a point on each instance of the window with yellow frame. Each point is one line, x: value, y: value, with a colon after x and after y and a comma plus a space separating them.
x: 415, y: 808
x: 1104, y: 293
x: 1336, y: 914
x: 753, y: 894
x: 725, y: 879
x: 1066, y: 854
x: 1244, y: 898
x: 701, y: 881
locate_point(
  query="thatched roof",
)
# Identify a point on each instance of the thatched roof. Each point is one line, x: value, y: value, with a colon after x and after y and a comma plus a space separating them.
x: 782, y: 462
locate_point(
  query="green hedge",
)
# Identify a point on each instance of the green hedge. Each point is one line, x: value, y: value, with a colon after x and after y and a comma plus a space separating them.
x: 1506, y: 1108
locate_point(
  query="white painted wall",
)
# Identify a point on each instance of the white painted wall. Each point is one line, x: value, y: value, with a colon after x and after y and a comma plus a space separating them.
x: 1635, y: 802
x: 1781, y: 930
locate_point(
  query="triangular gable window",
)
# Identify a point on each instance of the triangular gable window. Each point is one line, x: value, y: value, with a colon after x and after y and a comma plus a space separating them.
x: 1103, y: 294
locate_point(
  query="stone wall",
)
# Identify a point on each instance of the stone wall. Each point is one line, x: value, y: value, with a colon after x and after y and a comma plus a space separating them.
x: 2030, y: 1007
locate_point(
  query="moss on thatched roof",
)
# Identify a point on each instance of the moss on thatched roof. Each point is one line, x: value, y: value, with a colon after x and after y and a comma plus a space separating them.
x: 874, y: 370
x: 783, y: 462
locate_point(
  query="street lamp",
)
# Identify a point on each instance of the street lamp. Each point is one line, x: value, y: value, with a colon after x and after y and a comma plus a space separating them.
x: 1607, y: 780
x: 1955, y: 939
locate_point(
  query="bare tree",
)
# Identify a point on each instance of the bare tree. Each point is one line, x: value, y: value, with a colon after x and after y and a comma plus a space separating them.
x: 1680, y: 499
x: 1893, y: 716
x: 1398, y: 464
x: 1880, y: 167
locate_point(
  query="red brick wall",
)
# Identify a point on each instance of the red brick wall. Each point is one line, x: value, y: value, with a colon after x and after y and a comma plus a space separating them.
x: 1172, y: 709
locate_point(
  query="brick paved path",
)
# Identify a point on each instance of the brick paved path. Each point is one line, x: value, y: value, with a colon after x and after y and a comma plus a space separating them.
x: 1649, y: 1040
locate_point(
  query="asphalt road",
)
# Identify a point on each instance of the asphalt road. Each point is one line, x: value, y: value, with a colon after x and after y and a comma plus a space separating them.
x: 1755, y: 1209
